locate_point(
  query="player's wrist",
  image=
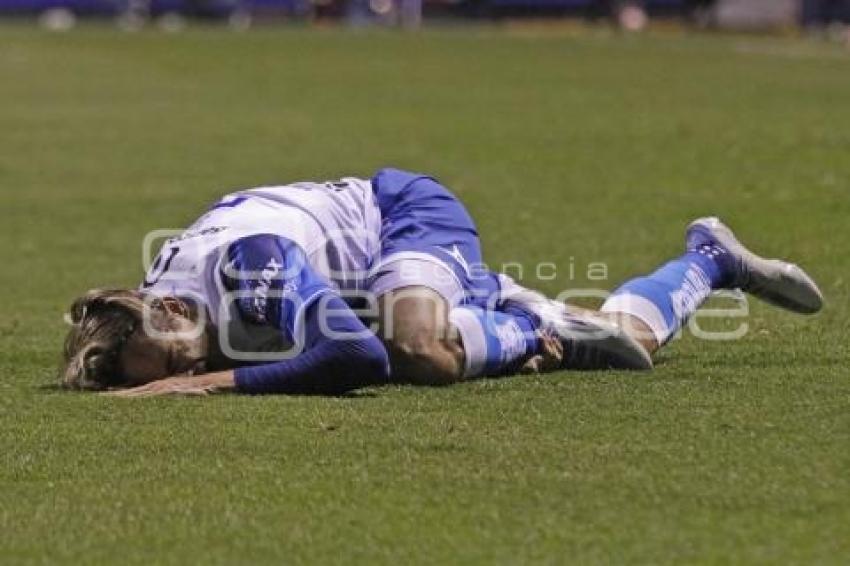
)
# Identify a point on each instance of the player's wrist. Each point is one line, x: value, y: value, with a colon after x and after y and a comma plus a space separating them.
x: 218, y: 381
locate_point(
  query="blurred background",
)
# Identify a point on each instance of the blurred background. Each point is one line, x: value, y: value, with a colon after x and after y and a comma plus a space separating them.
x: 829, y: 17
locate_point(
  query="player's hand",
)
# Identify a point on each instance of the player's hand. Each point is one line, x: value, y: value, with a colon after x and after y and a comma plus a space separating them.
x: 550, y: 358
x: 191, y: 386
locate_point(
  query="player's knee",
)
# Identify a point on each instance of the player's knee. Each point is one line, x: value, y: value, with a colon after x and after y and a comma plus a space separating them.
x: 414, y: 327
x: 423, y: 359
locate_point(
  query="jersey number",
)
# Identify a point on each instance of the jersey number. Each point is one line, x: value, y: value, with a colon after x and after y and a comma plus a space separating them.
x: 159, y: 266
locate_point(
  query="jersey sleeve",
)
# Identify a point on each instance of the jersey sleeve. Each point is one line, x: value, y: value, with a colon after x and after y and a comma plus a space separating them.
x: 328, y: 365
x: 272, y: 281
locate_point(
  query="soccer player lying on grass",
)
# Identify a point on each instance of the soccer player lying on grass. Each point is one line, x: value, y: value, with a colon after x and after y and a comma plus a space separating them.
x: 282, y: 268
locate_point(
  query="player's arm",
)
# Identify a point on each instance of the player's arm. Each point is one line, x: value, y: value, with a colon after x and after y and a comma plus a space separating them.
x: 273, y: 284
x: 326, y: 365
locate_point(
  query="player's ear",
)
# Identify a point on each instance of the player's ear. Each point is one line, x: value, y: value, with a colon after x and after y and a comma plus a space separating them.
x: 173, y: 305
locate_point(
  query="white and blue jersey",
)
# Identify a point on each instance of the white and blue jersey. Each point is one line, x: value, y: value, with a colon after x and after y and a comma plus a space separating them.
x: 294, y: 241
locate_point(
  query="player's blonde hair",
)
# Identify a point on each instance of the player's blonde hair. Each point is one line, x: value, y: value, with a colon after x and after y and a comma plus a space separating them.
x: 102, y: 321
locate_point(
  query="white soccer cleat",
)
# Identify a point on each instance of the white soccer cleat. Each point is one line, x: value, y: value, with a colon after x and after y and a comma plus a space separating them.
x: 775, y: 281
x: 590, y: 341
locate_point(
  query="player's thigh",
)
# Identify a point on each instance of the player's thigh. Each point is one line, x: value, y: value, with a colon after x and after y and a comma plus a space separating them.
x: 412, y: 315
x: 414, y: 297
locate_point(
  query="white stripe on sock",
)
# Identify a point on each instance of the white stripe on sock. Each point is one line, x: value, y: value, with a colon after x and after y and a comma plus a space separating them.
x: 473, y: 338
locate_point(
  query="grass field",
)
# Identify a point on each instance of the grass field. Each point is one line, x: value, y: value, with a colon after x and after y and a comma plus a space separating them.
x: 568, y: 147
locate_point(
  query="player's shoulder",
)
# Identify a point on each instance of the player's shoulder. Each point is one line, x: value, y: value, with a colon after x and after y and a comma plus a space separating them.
x: 269, y: 277
x: 265, y: 255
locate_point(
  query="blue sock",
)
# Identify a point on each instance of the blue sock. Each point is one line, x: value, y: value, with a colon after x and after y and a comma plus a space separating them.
x: 495, y: 343
x: 665, y: 299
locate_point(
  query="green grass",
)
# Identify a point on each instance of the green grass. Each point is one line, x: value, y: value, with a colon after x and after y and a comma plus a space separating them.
x: 568, y: 148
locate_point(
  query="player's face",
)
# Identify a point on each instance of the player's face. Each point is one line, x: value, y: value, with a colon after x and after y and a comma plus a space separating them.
x: 145, y: 358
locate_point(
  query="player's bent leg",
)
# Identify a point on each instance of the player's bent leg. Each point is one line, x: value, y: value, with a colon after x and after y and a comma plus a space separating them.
x: 432, y: 340
x: 422, y: 345
x: 429, y: 240
x: 590, y: 340
x: 636, y: 328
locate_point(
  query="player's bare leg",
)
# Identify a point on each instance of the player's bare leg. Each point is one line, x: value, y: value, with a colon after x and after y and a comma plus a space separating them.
x: 632, y: 325
x: 425, y: 347
x: 422, y: 345
x: 590, y: 340
x: 429, y: 342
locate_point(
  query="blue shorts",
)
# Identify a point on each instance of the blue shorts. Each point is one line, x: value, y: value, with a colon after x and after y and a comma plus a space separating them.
x: 427, y: 239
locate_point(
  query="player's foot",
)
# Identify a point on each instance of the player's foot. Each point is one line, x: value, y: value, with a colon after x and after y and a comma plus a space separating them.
x: 589, y: 341
x: 775, y: 281
x: 592, y: 342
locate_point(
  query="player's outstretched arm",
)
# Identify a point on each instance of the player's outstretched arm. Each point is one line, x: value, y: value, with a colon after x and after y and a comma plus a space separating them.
x: 340, y: 355
x: 205, y: 384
